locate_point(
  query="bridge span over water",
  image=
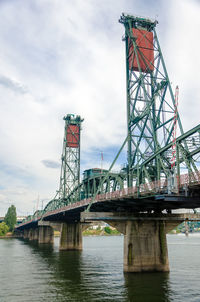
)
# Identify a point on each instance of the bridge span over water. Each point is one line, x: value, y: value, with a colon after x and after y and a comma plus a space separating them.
x: 162, y: 172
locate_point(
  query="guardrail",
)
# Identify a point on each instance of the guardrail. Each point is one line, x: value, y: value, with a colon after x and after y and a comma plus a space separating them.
x: 162, y: 186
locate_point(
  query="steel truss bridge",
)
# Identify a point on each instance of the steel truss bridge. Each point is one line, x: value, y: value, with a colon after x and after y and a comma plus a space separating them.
x: 162, y: 169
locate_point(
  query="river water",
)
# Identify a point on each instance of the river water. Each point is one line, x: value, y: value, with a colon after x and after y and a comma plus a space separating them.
x: 29, y: 272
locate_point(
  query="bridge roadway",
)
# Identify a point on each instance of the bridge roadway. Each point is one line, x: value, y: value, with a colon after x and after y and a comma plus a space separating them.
x: 152, y: 197
x: 140, y: 219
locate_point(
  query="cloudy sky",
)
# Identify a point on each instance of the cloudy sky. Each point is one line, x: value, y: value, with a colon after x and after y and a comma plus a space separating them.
x: 67, y: 56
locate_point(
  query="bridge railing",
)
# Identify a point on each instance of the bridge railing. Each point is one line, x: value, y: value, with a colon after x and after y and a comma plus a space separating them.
x: 190, y: 178
x: 151, y: 188
x: 159, y: 186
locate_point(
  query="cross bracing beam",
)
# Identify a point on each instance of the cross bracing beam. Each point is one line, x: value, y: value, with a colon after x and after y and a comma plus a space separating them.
x: 179, y: 139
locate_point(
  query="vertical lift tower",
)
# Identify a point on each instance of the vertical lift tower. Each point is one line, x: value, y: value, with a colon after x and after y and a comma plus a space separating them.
x: 151, y: 104
x: 70, y: 168
x: 71, y: 236
x: 151, y: 108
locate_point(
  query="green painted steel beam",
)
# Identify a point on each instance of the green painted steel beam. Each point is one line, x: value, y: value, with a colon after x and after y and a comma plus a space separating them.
x: 179, y: 139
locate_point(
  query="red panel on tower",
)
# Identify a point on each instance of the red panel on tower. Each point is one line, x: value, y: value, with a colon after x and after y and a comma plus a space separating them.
x: 73, y: 136
x: 144, y: 41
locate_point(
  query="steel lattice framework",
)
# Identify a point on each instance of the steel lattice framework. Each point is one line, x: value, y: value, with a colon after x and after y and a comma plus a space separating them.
x: 70, y: 167
x: 150, y: 105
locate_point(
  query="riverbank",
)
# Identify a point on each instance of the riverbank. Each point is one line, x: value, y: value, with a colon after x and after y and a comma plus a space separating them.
x: 107, y: 231
x: 101, y: 232
x: 9, y: 235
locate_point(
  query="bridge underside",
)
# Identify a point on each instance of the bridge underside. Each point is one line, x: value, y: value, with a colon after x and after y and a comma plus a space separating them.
x: 156, y: 204
x: 145, y: 244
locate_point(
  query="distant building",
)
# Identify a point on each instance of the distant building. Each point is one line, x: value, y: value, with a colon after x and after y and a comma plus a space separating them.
x: 19, y: 219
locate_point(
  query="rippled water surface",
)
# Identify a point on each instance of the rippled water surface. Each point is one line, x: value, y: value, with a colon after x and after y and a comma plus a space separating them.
x: 29, y: 272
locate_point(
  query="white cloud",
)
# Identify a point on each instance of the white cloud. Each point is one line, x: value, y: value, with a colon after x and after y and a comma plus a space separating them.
x: 182, y: 57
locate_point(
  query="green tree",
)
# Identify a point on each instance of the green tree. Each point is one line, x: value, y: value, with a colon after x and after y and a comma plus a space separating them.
x: 11, y: 217
x: 108, y: 230
x: 3, y: 229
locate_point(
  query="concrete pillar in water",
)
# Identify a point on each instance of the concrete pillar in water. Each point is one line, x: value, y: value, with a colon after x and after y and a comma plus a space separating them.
x: 45, y: 234
x: 35, y: 234
x: 25, y: 234
x: 145, y: 243
x: 31, y: 234
x: 145, y: 246
x: 71, y: 236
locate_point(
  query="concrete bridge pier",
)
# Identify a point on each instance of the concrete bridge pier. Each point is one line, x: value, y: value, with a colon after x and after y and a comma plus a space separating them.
x: 145, y: 243
x: 145, y: 246
x: 35, y: 234
x: 31, y: 234
x: 45, y: 234
x: 25, y: 233
x: 71, y: 236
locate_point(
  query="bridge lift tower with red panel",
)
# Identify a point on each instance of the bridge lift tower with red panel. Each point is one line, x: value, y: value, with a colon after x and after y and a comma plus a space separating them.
x: 70, y: 168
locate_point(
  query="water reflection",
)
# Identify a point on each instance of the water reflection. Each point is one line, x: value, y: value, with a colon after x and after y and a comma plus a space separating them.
x: 66, y: 283
x: 97, y: 275
x: 41, y: 273
x: 151, y: 287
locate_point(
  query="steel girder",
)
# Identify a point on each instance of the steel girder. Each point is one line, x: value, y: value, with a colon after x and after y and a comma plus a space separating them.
x: 111, y: 183
x: 86, y: 189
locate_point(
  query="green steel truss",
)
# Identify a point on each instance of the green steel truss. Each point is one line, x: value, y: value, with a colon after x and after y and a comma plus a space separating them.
x: 70, y: 167
x: 151, y: 106
x: 109, y: 182
x: 87, y: 188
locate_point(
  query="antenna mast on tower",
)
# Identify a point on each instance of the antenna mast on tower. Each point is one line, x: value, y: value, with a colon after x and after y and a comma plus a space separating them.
x: 173, y: 160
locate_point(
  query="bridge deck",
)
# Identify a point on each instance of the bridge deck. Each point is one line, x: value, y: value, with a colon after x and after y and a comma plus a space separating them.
x: 125, y: 200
